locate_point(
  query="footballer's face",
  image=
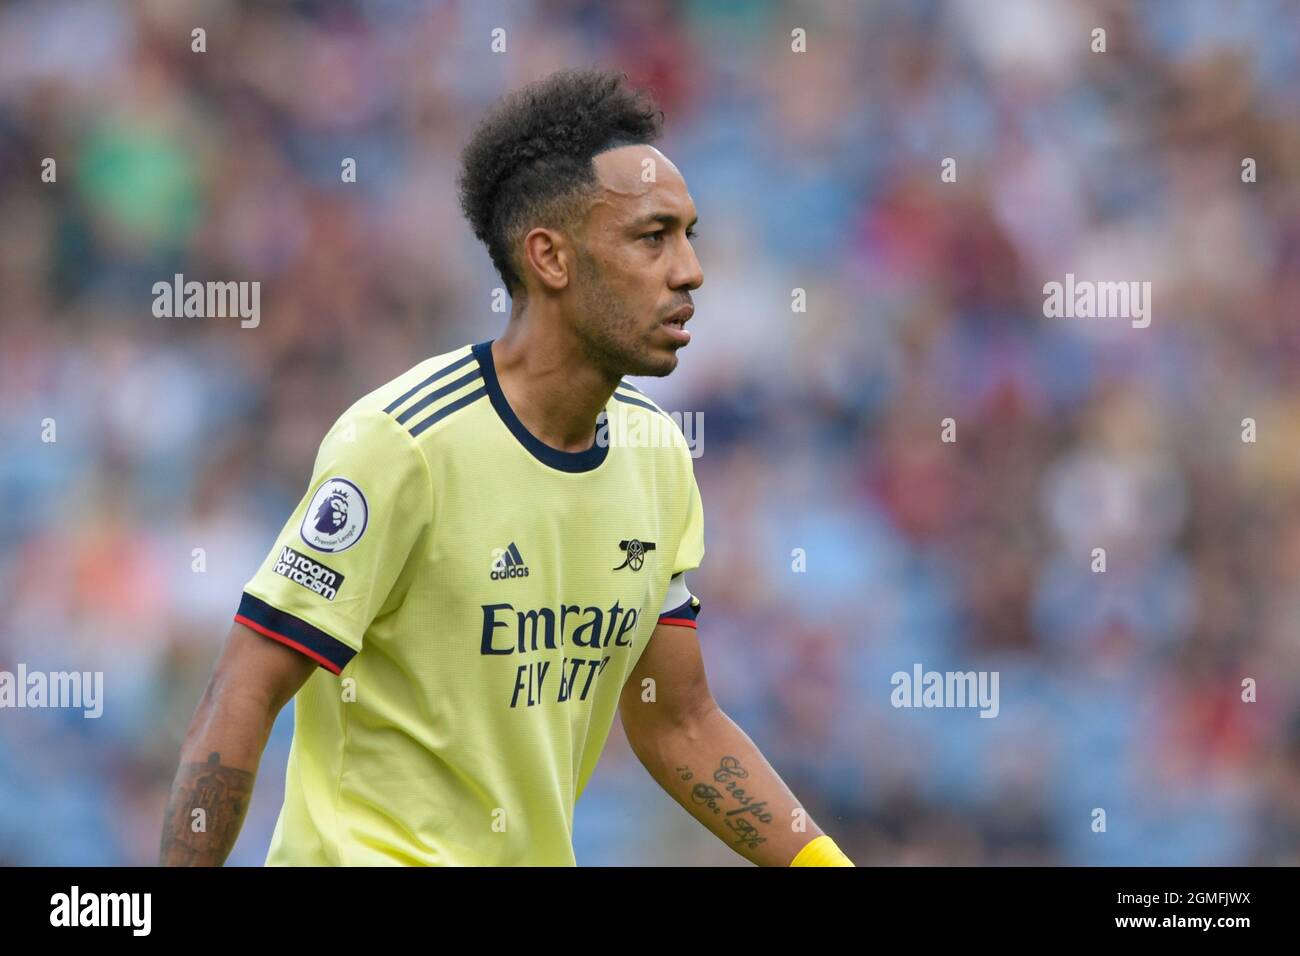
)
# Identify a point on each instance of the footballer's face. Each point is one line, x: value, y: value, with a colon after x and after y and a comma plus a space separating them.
x: 636, y: 267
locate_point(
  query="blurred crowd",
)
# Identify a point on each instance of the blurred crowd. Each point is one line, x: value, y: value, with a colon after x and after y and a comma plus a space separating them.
x: 846, y: 540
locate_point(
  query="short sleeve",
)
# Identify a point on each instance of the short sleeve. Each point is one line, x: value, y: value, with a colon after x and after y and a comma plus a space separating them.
x: 680, y: 605
x: 341, y: 556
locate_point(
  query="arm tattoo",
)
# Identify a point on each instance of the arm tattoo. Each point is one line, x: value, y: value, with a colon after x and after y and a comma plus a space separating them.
x: 729, y: 771
x: 703, y: 793
x: 204, y: 813
x: 747, y: 834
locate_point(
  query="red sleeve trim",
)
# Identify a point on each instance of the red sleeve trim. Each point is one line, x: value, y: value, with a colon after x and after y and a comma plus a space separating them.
x: 680, y: 621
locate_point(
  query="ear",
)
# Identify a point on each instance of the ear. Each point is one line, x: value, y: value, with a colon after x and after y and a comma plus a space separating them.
x: 548, y: 256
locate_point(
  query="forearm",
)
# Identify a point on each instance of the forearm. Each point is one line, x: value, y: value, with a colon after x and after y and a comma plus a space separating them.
x: 711, y: 767
x: 213, y: 786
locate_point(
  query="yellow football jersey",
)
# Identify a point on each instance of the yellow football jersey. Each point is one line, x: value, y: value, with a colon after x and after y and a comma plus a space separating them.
x: 476, y: 600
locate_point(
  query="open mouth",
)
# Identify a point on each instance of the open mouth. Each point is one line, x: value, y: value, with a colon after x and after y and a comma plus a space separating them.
x: 679, y: 318
x: 676, y: 325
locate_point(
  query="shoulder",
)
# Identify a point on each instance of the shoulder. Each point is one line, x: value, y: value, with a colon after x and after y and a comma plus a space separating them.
x: 419, y: 398
x: 630, y: 394
x: 642, y: 421
x: 377, y: 435
x: 396, y: 396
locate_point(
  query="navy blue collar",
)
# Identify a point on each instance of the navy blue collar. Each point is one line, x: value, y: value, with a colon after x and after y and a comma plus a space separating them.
x: 572, y: 461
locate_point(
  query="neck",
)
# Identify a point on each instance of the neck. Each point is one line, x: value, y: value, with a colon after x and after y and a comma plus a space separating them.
x: 550, y: 381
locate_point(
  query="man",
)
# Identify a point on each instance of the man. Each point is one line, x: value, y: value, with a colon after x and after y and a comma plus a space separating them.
x: 476, y: 577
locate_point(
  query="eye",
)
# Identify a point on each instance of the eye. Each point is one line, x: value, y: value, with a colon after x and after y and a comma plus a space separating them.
x: 691, y: 233
x: 654, y: 235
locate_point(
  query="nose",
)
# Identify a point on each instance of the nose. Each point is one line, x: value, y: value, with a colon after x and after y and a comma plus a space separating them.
x: 686, y: 273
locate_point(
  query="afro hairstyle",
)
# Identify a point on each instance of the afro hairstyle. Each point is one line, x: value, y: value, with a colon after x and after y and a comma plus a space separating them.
x: 529, y: 162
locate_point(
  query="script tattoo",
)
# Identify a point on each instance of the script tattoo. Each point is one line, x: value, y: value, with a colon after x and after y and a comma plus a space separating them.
x: 729, y: 767
x: 703, y: 793
x: 222, y: 793
x: 728, y: 772
x: 748, y: 834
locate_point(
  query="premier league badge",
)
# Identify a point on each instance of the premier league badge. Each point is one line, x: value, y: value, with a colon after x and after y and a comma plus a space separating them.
x: 336, y: 518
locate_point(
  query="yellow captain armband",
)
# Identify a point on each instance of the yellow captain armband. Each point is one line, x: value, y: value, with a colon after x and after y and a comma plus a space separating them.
x: 821, y: 852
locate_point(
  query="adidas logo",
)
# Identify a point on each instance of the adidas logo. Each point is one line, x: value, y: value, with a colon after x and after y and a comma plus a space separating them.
x: 508, y: 563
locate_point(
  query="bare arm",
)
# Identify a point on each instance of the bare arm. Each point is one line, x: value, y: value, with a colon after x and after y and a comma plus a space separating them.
x: 702, y: 759
x: 253, y: 680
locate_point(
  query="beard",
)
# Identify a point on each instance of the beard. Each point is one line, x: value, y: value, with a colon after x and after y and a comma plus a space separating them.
x: 611, y: 336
